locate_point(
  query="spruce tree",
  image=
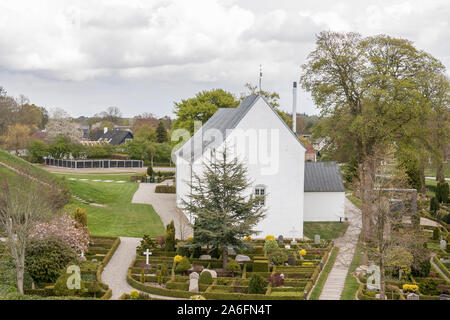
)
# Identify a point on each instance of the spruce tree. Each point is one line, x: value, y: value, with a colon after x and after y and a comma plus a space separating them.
x: 219, y: 200
x: 161, y: 133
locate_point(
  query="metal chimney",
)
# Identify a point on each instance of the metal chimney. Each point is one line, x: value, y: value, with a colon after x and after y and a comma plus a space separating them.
x: 294, y: 108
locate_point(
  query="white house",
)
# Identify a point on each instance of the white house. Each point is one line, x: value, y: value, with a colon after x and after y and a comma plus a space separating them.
x: 273, y: 155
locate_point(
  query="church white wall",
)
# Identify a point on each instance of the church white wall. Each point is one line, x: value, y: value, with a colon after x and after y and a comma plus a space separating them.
x: 281, y: 170
x: 324, y: 206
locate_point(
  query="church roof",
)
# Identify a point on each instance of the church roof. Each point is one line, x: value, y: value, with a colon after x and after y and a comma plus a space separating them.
x: 223, y: 121
x: 323, y: 177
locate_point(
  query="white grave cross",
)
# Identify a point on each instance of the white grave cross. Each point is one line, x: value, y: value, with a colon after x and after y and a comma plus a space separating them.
x: 147, y: 256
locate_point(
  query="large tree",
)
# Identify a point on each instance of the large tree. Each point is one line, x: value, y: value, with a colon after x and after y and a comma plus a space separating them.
x: 219, y: 201
x: 17, y: 137
x: 367, y: 91
x: 23, y: 204
x: 201, y: 108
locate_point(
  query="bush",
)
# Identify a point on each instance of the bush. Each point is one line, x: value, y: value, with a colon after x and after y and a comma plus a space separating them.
x: 170, y: 237
x: 421, y: 269
x: 442, y: 190
x: 278, y: 257
x: 233, y: 266
x: 150, y: 171
x: 261, y: 266
x: 276, y: 280
x: 436, y: 233
x: 146, y: 243
x: 183, y: 265
x: 257, y: 285
x: 206, y: 278
x: 47, y: 258
x: 165, y: 189
x: 270, y: 245
x: 61, y: 288
x: 80, y: 216
x: 434, y: 205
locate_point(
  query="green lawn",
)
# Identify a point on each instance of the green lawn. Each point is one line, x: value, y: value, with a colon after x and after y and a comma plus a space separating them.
x: 326, y: 230
x: 315, y: 294
x: 119, y: 217
x: 351, y: 284
x: 356, y: 201
x: 431, y: 172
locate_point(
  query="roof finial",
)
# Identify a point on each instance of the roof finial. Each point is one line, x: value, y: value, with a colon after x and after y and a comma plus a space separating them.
x: 260, y: 77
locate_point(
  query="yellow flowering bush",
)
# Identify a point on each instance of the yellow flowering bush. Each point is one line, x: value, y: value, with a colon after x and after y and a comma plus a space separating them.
x: 134, y: 295
x: 190, y: 239
x: 302, y: 252
x: 270, y: 237
x: 307, y: 264
x: 177, y: 258
x: 248, y: 238
x: 410, y: 288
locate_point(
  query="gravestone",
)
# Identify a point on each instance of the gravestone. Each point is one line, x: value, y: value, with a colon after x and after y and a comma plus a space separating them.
x: 231, y: 251
x: 294, y: 242
x: 205, y: 257
x: 412, y: 296
x: 242, y: 258
x: 444, y: 297
x: 291, y: 260
x: 443, y: 244
x: 193, y: 282
x: 212, y: 272
x: 280, y: 240
x: 287, y: 246
x: 317, y: 239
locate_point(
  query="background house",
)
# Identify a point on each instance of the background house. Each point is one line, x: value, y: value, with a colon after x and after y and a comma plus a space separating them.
x: 113, y: 136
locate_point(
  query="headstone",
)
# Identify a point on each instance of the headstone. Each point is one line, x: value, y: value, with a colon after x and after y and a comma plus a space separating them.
x: 94, y: 260
x: 317, y: 239
x: 443, y: 244
x: 147, y: 254
x: 291, y: 260
x: 444, y: 297
x: 280, y: 240
x: 287, y: 246
x: 205, y: 257
x: 196, y: 268
x: 212, y: 272
x: 412, y: 296
x: 294, y: 242
x: 231, y: 251
x: 242, y: 258
x: 193, y: 282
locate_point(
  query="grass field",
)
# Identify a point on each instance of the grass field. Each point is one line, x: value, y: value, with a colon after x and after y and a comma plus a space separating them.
x: 431, y: 172
x: 326, y: 230
x: 118, y: 217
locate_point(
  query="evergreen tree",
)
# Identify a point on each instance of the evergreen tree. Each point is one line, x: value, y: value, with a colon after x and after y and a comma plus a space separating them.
x: 161, y: 133
x: 223, y: 212
x: 170, y: 237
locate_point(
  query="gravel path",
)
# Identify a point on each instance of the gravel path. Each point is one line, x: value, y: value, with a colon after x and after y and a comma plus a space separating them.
x: 165, y: 207
x: 347, y: 243
x: 115, y: 273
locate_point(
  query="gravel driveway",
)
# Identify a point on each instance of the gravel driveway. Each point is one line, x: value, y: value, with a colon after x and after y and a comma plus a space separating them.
x: 165, y: 207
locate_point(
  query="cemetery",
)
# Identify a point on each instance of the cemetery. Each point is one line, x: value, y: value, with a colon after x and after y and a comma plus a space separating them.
x: 266, y: 269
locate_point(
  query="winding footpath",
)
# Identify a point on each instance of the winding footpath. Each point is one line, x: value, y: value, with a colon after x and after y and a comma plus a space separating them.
x: 347, y: 244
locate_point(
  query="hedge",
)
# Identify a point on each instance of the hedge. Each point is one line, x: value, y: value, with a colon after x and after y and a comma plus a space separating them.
x: 441, y: 266
x: 165, y: 189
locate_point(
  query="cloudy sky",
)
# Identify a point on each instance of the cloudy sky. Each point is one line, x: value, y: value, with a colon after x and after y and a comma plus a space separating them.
x: 141, y: 56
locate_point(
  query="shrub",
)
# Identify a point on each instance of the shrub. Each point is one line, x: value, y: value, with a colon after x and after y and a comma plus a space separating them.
x: 410, y: 288
x: 150, y: 171
x: 146, y: 243
x: 61, y: 288
x: 302, y: 252
x: 142, y: 278
x: 276, y: 280
x: 257, y: 285
x: 170, y: 237
x: 270, y: 245
x: 177, y: 258
x: 206, y: 278
x: 233, y: 266
x: 161, y: 240
x: 434, y: 205
x: 134, y: 295
x: 270, y: 237
x: 261, y: 266
x: 183, y: 265
x: 47, y: 258
x: 164, y: 270
x: 278, y: 257
x: 436, y: 233
x: 244, y: 271
x: 165, y: 189
x: 442, y: 190
x: 80, y: 217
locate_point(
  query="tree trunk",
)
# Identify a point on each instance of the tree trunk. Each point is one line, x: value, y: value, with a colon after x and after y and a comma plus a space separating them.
x: 366, y: 174
x: 440, y: 172
x: 422, y: 188
x: 224, y: 257
x: 382, y: 279
x: 20, y: 271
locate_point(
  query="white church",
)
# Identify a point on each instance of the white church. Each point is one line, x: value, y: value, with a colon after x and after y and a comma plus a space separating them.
x: 295, y: 191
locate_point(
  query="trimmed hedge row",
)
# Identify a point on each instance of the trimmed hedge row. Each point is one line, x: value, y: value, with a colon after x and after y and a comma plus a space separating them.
x: 165, y: 189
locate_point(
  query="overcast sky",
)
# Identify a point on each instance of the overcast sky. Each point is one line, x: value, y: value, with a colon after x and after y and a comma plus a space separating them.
x: 141, y: 56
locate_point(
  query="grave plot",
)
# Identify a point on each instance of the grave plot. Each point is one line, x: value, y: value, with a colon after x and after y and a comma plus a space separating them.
x: 287, y: 270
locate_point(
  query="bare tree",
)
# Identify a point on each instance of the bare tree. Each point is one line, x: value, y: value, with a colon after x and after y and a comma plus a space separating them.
x: 60, y: 124
x: 23, y: 203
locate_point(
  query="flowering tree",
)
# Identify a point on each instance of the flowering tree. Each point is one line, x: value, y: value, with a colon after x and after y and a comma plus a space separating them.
x: 65, y: 228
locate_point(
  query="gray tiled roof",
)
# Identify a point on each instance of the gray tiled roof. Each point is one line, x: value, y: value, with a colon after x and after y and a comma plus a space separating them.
x: 323, y: 177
